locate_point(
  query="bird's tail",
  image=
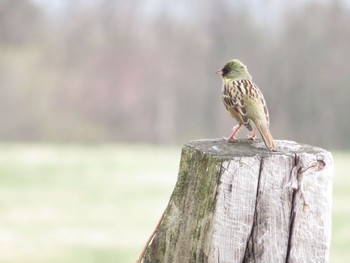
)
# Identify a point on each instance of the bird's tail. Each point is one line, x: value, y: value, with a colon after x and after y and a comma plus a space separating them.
x: 267, y: 137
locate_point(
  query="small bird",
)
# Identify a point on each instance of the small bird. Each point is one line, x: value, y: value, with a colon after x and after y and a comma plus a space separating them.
x: 245, y: 102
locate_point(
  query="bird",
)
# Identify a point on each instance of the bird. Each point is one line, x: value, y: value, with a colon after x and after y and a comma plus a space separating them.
x: 245, y: 102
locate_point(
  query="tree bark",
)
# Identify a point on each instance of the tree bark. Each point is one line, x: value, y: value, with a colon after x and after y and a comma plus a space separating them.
x: 238, y: 202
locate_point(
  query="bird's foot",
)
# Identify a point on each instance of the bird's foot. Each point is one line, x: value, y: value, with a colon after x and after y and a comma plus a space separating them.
x: 230, y: 139
x: 253, y: 136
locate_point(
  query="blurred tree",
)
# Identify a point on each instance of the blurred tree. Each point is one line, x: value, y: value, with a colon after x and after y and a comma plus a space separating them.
x: 313, y: 78
x: 131, y: 71
x: 21, y: 22
x: 22, y: 29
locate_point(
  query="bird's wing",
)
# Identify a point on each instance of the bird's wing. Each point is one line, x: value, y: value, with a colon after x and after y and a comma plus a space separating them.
x: 239, y: 96
x: 232, y: 97
x: 256, y: 93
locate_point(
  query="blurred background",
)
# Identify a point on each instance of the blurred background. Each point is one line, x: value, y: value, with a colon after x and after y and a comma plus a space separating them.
x: 97, y: 97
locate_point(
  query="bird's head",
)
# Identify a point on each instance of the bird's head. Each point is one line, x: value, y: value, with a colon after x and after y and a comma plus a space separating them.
x: 234, y: 70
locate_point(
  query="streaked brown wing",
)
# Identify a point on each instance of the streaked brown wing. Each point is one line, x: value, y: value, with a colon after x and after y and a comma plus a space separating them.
x: 232, y: 97
x: 259, y: 96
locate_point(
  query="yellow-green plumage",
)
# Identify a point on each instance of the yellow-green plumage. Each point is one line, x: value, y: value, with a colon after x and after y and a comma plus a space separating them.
x: 245, y: 102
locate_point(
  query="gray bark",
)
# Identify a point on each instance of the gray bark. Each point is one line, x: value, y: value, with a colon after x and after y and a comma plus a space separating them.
x: 238, y: 202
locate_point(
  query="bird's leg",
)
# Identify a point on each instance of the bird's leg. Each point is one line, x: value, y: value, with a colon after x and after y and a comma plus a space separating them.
x: 253, y: 136
x: 234, y: 131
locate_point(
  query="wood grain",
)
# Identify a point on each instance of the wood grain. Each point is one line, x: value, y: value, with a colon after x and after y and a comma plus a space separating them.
x: 238, y: 202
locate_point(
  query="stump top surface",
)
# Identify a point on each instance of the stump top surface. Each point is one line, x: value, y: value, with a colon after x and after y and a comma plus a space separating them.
x: 221, y: 148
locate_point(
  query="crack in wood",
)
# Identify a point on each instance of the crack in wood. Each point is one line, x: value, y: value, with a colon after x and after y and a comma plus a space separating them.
x: 250, y: 252
x: 235, y: 206
x: 292, y: 212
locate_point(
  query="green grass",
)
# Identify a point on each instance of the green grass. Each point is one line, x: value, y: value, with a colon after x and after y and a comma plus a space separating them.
x: 81, y: 203
x: 71, y: 203
x: 340, y: 247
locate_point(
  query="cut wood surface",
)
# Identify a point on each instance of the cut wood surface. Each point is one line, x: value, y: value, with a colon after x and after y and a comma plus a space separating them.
x: 238, y: 202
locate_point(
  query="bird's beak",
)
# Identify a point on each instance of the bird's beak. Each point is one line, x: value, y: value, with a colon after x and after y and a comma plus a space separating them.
x: 219, y: 72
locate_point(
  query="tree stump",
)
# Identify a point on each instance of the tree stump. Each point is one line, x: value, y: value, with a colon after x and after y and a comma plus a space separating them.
x: 238, y: 202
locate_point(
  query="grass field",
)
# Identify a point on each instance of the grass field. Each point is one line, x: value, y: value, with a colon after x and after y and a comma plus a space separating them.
x: 99, y: 203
